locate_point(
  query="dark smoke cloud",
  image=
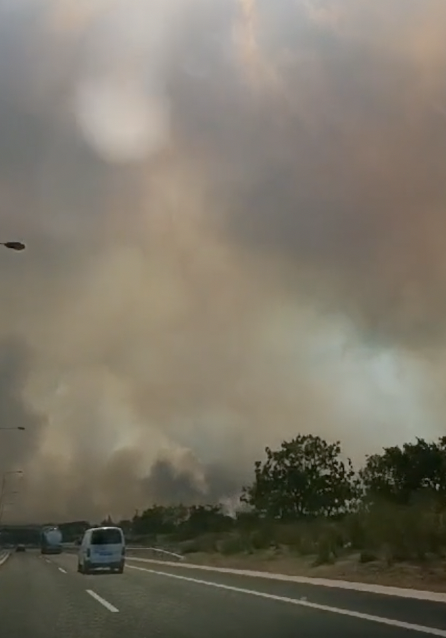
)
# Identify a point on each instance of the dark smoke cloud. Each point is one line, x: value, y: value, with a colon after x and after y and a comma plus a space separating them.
x: 234, y: 218
x: 166, y: 480
x: 186, y: 480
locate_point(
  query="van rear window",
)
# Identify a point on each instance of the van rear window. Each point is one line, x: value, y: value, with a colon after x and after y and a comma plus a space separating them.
x: 106, y: 537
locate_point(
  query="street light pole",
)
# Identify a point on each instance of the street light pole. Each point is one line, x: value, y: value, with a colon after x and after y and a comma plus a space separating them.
x: 2, y: 509
x: 2, y: 489
x: 3, y: 504
x: 4, y: 477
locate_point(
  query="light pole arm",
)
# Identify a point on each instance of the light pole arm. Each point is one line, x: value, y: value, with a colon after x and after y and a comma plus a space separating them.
x: 13, y: 245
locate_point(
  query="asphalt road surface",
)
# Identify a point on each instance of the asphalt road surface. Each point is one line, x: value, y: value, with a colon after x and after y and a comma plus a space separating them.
x: 45, y: 597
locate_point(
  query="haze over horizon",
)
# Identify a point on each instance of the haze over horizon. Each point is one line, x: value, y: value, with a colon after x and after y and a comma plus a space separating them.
x: 234, y: 213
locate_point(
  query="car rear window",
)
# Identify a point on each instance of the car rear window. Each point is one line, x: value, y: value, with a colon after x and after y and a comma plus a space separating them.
x: 106, y: 537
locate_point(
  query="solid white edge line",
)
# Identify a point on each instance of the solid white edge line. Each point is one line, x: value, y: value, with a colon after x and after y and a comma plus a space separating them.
x: 4, y: 558
x: 103, y: 602
x: 303, y: 603
x: 385, y: 590
x: 61, y: 569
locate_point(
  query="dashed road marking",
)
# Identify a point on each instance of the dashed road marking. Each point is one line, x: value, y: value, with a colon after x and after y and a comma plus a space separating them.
x: 101, y: 600
x: 61, y: 569
x: 304, y: 603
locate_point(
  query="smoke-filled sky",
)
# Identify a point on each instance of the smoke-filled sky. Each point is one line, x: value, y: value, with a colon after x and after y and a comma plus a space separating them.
x: 234, y: 213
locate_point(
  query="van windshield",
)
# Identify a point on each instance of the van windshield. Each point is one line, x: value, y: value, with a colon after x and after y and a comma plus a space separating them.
x: 106, y: 537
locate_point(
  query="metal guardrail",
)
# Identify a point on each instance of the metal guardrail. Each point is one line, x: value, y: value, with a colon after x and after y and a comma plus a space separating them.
x: 136, y: 552
x: 156, y: 551
x: 4, y: 555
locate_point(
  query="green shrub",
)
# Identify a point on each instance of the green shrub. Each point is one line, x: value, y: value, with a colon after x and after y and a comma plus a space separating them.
x: 207, y: 543
x: 367, y: 557
x: 405, y: 532
x: 325, y: 554
x: 260, y: 539
x: 234, y: 544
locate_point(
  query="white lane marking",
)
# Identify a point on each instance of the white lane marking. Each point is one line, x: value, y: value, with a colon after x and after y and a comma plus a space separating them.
x: 293, y: 601
x: 4, y: 558
x: 47, y: 561
x: 385, y: 590
x: 101, y: 600
x: 61, y: 569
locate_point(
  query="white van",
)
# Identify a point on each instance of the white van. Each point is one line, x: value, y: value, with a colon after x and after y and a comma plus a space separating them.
x: 102, y: 547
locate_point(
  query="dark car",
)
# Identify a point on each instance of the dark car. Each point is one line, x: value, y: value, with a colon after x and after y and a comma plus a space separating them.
x: 20, y: 548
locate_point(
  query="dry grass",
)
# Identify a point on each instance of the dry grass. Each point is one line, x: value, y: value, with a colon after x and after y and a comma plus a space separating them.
x: 430, y: 577
x: 388, y: 545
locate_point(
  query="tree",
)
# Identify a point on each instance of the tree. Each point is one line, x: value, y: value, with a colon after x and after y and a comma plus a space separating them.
x: 207, y: 518
x: 306, y: 477
x: 188, y: 521
x: 400, y: 474
x: 107, y: 521
x: 73, y: 530
x: 151, y: 521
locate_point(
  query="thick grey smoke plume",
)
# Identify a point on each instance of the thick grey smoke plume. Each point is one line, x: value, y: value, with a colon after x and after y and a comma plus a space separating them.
x: 235, y: 222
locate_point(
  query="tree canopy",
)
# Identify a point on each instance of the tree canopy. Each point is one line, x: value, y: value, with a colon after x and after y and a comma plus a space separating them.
x: 306, y: 477
x: 401, y: 474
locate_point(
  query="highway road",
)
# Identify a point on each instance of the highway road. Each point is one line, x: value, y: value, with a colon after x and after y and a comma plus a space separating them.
x: 45, y: 597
